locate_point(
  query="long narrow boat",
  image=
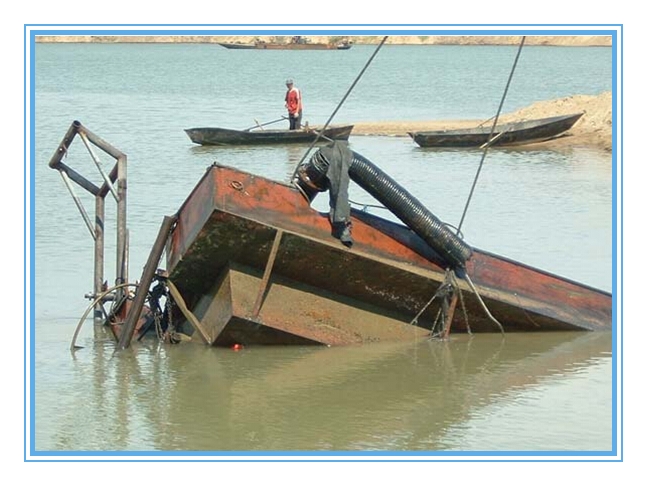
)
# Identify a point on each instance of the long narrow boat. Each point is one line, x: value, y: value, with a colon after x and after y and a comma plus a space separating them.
x: 226, y: 136
x: 294, y: 44
x: 518, y: 133
x: 256, y: 264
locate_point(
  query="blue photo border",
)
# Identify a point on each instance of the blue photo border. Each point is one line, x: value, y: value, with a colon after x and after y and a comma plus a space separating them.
x: 615, y: 454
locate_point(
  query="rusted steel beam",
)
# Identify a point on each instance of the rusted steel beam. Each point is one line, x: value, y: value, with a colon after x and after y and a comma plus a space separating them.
x: 78, y: 178
x: 98, y: 141
x: 76, y: 128
x: 148, y: 273
x: 122, y: 269
x: 99, y: 248
x: 267, y: 273
x: 62, y: 148
x: 97, y: 163
x: 193, y: 320
x: 79, y: 204
x: 104, y: 189
x: 449, y: 317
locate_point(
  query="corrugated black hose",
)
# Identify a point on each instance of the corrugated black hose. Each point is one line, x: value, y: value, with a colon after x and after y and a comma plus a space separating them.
x: 312, y: 179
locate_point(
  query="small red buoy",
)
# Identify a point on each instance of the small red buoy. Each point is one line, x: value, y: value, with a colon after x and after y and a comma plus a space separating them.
x: 237, y: 347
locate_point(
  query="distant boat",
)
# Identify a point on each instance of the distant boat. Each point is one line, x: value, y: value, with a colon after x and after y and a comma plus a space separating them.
x: 506, y: 134
x: 225, y: 136
x: 295, y: 43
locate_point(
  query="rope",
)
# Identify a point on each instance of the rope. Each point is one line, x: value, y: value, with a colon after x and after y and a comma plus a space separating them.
x: 441, y: 288
x: 478, y: 297
x: 485, y: 147
x: 366, y: 205
x: 464, y: 309
x: 496, y: 119
x: 338, y: 107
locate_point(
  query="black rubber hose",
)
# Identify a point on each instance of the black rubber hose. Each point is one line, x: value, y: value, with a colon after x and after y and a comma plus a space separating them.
x: 397, y: 199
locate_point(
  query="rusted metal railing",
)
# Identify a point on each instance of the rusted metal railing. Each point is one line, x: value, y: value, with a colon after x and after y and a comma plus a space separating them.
x: 114, y: 183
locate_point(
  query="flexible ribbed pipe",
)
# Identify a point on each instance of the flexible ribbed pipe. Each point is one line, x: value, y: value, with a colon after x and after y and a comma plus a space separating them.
x: 398, y: 200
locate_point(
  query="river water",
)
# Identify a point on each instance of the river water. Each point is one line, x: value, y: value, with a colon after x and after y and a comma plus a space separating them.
x: 549, y: 393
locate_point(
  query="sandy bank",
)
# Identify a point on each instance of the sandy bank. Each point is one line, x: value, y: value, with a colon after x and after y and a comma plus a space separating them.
x: 556, y: 40
x: 594, y: 129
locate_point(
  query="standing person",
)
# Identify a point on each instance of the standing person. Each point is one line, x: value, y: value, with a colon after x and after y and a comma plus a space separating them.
x: 294, y: 105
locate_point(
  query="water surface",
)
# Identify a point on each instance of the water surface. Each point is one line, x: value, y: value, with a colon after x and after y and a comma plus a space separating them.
x: 551, y: 210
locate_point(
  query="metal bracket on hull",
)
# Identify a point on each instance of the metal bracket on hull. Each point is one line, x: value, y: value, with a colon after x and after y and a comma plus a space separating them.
x: 267, y: 273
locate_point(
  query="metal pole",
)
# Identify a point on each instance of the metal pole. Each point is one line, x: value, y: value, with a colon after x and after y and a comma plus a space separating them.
x: 99, y: 142
x: 105, y: 177
x: 78, y: 203
x: 147, y: 277
x: 267, y: 273
x: 99, y: 245
x: 122, y: 187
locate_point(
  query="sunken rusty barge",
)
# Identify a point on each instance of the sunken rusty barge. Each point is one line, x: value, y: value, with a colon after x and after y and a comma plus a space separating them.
x: 258, y: 265
x: 249, y: 261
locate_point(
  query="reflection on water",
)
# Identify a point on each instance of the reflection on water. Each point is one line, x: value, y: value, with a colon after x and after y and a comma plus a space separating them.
x: 424, y: 396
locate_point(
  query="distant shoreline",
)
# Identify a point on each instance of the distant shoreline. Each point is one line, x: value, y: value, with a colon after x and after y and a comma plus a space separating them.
x: 566, y: 40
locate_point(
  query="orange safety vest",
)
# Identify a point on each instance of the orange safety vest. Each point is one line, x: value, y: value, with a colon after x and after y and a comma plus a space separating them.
x: 293, y: 101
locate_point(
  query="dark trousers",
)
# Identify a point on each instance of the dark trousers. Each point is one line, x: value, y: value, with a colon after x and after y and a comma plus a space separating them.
x: 295, y: 121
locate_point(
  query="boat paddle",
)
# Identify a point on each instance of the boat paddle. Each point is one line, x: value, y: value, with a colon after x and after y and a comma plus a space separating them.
x: 260, y: 125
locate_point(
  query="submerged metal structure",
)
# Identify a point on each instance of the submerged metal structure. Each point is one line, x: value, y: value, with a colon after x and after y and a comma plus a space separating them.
x: 250, y: 262
x: 113, y: 184
x: 258, y: 265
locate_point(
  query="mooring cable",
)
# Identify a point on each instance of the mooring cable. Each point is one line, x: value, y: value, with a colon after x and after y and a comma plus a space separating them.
x: 338, y: 106
x: 496, y: 119
x: 486, y: 146
x: 460, y: 225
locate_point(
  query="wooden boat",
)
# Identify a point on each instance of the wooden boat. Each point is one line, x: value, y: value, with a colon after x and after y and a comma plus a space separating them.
x: 295, y: 43
x: 518, y: 133
x: 256, y: 264
x: 225, y: 136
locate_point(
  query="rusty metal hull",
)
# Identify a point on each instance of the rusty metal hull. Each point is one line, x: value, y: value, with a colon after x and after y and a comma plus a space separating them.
x: 319, y: 291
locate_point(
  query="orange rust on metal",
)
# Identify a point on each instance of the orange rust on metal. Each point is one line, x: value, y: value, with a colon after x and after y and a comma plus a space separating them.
x: 450, y: 315
x: 195, y: 322
x: 233, y: 217
x: 134, y: 314
x: 294, y: 313
x: 267, y: 273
